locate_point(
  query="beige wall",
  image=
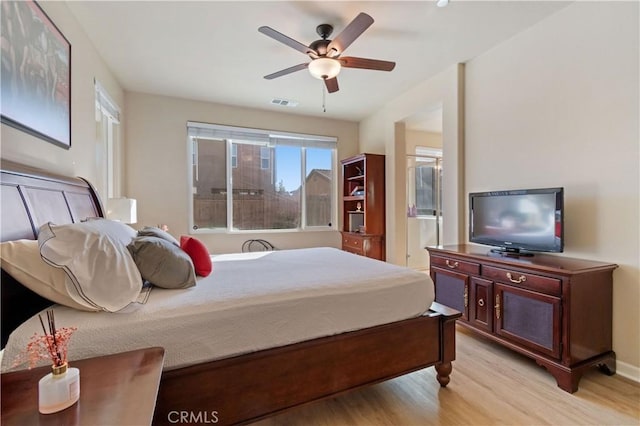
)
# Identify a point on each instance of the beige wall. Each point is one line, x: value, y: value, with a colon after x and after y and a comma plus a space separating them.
x: 157, y: 162
x: 86, y: 156
x: 385, y: 133
x: 557, y: 105
x: 554, y: 105
x: 416, y: 138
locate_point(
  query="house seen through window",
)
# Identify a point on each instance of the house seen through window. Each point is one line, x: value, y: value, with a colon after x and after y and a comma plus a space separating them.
x: 246, y: 179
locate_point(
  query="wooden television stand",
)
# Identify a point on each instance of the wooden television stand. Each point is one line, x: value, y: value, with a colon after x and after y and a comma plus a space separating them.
x: 554, y: 309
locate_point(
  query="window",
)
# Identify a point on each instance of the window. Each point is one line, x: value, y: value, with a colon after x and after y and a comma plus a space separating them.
x: 265, y: 157
x: 425, y: 190
x: 252, y: 180
x: 108, y: 124
x: 319, y: 183
x: 428, y: 175
x: 234, y: 155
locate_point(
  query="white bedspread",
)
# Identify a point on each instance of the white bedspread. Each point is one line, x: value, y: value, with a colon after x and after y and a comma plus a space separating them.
x: 250, y: 302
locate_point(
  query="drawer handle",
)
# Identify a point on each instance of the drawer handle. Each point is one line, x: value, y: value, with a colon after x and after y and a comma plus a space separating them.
x: 480, y: 302
x: 451, y: 265
x: 519, y: 280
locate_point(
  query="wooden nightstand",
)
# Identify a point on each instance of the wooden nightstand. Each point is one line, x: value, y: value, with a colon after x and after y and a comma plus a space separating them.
x: 118, y: 389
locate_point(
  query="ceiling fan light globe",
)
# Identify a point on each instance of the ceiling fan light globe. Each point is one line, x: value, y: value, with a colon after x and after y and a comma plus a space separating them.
x: 324, y: 68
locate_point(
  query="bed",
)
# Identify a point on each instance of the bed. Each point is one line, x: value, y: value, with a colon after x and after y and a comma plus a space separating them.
x: 252, y: 381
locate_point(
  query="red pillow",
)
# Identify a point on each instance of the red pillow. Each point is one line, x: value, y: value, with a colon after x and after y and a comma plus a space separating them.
x: 198, y: 253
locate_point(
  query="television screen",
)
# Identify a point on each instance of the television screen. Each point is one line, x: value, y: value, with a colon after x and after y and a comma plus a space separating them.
x: 529, y: 219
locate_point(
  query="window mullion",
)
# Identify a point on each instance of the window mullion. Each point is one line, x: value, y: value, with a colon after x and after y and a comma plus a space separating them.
x: 335, y: 190
x: 229, y: 186
x: 303, y: 188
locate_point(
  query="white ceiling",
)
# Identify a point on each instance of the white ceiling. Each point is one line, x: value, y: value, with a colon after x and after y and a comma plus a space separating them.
x: 212, y: 50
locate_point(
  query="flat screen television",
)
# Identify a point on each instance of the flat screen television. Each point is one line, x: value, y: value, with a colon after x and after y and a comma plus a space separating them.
x: 518, y: 221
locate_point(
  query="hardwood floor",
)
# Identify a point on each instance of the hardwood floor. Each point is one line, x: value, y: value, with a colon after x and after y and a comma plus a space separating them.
x: 490, y: 385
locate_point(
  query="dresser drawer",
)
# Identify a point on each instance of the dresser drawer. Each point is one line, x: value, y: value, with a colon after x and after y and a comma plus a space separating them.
x: 369, y: 245
x: 354, y: 244
x: 525, y: 280
x: 456, y: 264
x: 353, y: 250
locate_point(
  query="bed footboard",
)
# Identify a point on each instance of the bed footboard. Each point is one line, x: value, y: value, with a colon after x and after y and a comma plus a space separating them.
x: 249, y: 387
x: 447, y: 341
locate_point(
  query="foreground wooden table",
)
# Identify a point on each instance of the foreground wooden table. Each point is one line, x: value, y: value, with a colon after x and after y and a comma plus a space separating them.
x: 118, y: 389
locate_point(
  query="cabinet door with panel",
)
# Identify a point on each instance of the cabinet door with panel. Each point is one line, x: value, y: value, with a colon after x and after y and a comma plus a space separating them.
x: 530, y: 319
x: 481, y: 304
x: 451, y: 277
x: 452, y: 289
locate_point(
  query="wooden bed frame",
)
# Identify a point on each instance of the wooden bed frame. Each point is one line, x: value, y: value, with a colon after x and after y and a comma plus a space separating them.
x: 243, y: 388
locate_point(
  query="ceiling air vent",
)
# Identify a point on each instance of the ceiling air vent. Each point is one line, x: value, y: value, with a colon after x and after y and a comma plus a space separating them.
x: 284, y: 102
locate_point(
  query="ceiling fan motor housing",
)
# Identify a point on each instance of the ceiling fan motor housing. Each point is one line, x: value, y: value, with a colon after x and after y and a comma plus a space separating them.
x: 320, y: 46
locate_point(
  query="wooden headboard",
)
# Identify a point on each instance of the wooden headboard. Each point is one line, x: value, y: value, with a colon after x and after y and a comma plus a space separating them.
x: 30, y: 197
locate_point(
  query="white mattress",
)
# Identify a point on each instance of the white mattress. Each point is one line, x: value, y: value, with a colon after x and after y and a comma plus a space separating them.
x: 250, y: 302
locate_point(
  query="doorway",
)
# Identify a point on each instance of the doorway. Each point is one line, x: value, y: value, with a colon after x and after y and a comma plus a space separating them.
x: 424, y: 205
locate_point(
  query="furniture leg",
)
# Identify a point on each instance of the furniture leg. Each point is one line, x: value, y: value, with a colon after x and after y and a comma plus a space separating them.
x: 443, y: 370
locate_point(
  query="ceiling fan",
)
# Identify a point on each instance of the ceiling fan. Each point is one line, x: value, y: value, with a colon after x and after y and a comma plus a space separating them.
x: 325, y: 54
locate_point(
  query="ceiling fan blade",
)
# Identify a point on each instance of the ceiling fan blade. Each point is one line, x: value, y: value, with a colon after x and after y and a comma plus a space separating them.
x: 270, y: 32
x: 349, y: 34
x: 369, y: 64
x: 286, y: 71
x: 332, y: 84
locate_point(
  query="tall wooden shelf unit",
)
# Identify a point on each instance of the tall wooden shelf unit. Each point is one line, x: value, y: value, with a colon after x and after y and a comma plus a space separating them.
x: 363, y: 205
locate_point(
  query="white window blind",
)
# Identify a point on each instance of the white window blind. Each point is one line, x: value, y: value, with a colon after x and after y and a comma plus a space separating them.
x: 105, y: 105
x: 267, y: 137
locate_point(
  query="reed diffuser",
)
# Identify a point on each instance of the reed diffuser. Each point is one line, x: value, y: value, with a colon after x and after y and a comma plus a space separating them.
x: 60, y: 388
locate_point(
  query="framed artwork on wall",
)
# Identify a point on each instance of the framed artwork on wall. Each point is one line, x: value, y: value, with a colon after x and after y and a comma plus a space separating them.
x: 36, y: 73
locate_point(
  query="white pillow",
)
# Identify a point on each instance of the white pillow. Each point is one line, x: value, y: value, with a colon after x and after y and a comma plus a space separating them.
x: 94, y: 255
x: 21, y: 259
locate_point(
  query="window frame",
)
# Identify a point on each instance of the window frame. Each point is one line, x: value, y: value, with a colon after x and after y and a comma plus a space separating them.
x: 107, y: 115
x: 278, y: 135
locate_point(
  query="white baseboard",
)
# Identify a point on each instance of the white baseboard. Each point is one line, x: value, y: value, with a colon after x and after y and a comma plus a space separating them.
x: 627, y: 370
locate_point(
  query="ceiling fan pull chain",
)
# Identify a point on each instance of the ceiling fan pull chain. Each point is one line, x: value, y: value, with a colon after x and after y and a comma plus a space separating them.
x: 324, y: 97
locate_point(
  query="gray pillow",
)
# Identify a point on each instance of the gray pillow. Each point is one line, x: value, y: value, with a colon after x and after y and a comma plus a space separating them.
x: 152, y: 231
x: 162, y: 263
